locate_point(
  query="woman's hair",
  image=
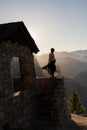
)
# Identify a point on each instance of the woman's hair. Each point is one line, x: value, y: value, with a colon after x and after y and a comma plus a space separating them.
x: 52, y: 49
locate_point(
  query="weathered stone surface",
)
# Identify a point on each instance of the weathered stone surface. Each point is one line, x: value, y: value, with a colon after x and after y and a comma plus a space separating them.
x: 52, y: 103
x: 17, y: 96
x: 1, y: 115
x: 26, y: 99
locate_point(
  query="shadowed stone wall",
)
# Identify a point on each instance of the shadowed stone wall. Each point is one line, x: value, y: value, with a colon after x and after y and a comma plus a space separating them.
x: 17, y: 105
x: 25, y: 100
x: 52, y: 91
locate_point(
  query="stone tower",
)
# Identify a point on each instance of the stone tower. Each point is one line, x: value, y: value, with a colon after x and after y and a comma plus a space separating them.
x: 17, y: 83
x: 26, y: 102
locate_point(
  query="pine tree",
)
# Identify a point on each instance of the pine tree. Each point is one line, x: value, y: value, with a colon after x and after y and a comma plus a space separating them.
x: 74, y: 104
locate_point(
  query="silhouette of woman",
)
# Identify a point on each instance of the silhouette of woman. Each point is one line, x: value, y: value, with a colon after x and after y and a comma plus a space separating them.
x: 50, y: 67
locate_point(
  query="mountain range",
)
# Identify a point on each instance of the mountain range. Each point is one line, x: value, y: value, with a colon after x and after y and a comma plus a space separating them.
x: 73, y: 67
x: 70, y: 63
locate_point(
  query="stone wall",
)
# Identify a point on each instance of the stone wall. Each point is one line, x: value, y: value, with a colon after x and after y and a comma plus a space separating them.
x: 25, y: 100
x: 51, y: 94
x: 16, y: 107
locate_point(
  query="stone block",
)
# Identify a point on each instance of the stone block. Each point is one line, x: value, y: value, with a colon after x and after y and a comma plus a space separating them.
x: 1, y: 115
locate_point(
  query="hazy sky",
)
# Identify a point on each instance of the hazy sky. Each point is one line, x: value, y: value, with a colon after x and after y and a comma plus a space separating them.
x: 61, y: 24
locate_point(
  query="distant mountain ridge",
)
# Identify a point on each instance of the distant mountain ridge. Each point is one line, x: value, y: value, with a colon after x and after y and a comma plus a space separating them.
x: 81, y: 53
x: 71, y: 63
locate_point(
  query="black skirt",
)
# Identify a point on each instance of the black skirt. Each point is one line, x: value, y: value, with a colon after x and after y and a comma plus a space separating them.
x: 51, y: 66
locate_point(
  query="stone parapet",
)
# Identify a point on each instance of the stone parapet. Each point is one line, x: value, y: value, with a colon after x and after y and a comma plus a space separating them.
x: 52, y: 91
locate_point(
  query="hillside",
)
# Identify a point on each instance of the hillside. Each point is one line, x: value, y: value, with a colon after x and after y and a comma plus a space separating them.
x: 82, y: 78
x: 80, y: 53
x: 81, y: 89
x: 71, y: 67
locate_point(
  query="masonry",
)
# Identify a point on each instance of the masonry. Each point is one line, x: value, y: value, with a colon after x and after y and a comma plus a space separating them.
x: 24, y: 99
x: 16, y: 95
x: 52, y: 102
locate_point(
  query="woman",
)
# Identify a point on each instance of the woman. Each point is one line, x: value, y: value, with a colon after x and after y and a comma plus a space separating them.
x: 51, y: 64
x: 51, y: 68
